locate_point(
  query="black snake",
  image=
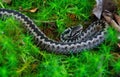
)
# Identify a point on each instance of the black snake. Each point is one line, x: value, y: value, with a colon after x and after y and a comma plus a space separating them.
x: 87, y: 39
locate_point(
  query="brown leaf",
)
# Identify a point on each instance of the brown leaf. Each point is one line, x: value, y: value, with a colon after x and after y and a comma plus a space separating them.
x: 33, y: 10
x: 97, y: 11
x: 72, y: 17
x: 103, y: 5
x: 7, y: 1
x: 118, y: 45
x: 116, y: 55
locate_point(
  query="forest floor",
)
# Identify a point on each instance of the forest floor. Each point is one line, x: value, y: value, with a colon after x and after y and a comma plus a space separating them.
x: 20, y: 57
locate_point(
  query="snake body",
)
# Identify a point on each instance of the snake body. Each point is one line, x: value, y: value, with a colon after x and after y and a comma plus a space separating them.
x: 93, y: 39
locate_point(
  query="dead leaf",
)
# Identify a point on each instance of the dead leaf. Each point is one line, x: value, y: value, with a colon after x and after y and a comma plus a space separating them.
x: 72, y: 17
x: 102, y: 5
x: 33, y: 10
x: 116, y: 55
x: 7, y: 1
x: 118, y: 45
x: 97, y: 11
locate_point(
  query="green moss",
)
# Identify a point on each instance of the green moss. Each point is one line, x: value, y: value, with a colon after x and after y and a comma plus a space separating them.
x: 20, y: 57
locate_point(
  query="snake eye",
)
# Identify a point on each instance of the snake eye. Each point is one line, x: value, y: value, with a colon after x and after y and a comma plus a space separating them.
x: 76, y: 33
x: 66, y: 32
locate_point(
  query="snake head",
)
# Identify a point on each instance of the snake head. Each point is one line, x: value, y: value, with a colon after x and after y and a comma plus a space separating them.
x: 72, y: 32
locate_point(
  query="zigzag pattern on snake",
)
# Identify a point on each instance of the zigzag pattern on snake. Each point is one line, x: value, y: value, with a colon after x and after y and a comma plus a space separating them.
x: 94, y: 37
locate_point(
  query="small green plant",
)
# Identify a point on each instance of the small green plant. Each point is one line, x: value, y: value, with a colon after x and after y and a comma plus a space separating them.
x: 117, y: 67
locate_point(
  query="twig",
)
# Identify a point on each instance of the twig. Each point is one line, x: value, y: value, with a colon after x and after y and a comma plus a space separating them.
x: 111, y: 21
x: 117, y: 18
x: 43, y: 21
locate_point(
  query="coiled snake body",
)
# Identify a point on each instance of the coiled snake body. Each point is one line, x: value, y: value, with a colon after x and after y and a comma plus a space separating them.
x: 87, y: 39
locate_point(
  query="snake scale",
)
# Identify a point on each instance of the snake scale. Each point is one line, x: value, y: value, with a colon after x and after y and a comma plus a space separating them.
x: 93, y: 37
